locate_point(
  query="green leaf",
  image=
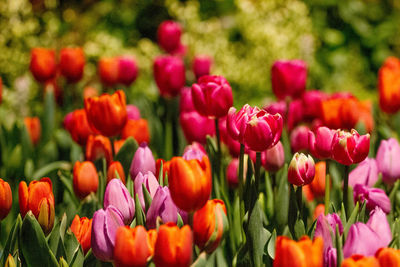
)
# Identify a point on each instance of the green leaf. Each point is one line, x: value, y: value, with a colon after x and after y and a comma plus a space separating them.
x: 12, y: 241
x: 351, y: 221
x: 179, y: 221
x: 161, y: 174
x: 339, y: 246
x: 140, y: 217
x: 126, y: 153
x: 281, y: 206
x: 42, y: 172
x: 62, y: 263
x: 256, y: 238
x: 73, y: 250
x: 66, y: 180
x: 269, y: 195
x: 271, y: 245
x: 201, y: 260
x: 88, y: 206
x: 311, y: 230
x: 299, y: 228
x: 48, y: 119
x: 56, y: 237
x: 147, y: 197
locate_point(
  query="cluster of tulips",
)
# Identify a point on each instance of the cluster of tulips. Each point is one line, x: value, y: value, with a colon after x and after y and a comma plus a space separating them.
x: 327, y: 205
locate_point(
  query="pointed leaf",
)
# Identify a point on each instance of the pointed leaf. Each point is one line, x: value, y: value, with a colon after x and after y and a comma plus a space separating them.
x: 126, y: 153
x: 140, y: 217
x: 12, y: 240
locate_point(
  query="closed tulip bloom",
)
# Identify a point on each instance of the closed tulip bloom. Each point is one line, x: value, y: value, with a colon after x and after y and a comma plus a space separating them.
x: 34, y: 129
x: 117, y: 196
x: 278, y: 107
x: 5, y: 199
x: 133, y: 246
x: 289, y: 78
x: 85, y: 179
x: 388, y: 84
x: 114, y: 168
x: 349, y: 148
x: 317, y: 186
x: 232, y: 144
x: 301, y: 170
x: 326, y: 229
x: 43, y: 64
x: 232, y: 174
x: 273, y: 158
x: 138, y: 129
x: 330, y: 257
x: 190, y: 182
x: 194, y: 151
x: 169, y: 35
x: 39, y: 199
x: 366, y: 173
x: 89, y: 91
x: 150, y: 182
x: 212, y: 96
x: 299, y: 138
x: 388, y: 257
x: 303, y: 253
x: 78, y: 126
x: 209, y: 225
x: 82, y: 229
x: 320, y: 143
x: 127, y: 70
x: 163, y: 207
x: 319, y: 209
x: 109, y: 71
x: 312, y: 103
x: 97, y: 147
x: 388, y: 152
x: 133, y: 112
x: 360, y: 261
x: 143, y: 161
x: 201, y: 65
x: 374, y: 197
x: 72, y: 63
x: 169, y: 74
x: 104, y: 230
x: 107, y: 113
x: 173, y: 246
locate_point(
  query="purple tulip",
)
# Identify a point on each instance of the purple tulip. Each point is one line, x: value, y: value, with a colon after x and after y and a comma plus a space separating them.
x: 299, y: 138
x: 326, y: 228
x: 162, y: 206
x: 194, y: 151
x: 127, y: 70
x: 117, y: 195
x: 143, y: 161
x: 169, y: 73
x: 365, y: 173
x: 201, y: 65
x: 375, y: 197
x: 104, y: 229
x: 379, y: 223
x: 133, y: 112
x: 330, y: 257
x: 151, y: 184
x: 388, y: 152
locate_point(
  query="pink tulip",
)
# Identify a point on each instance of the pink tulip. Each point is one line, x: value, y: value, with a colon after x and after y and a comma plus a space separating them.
x: 127, y: 70
x: 366, y: 173
x: 201, y: 65
x: 169, y: 36
x: 326, y: 228
x: 301, y: 170
x: 194, y: 151
x: 273, y: 159
x: 320, y: 143
x: 299, y: 138
x: 232, y: 144
x: 374, y: 197
x: 143, y: 161
x: 169, y: 73
x: 232, y: 173
x: 386, y: 157
x: 295, y: 114
x: 277, y: 107
x: 349, y: 148
x: 312, y: 104
x: 133, y: 112
x: 151, y: 184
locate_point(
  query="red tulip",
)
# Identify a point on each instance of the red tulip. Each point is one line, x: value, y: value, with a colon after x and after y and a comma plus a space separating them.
x: 5, y: 199
x: 32, y: 124
x: 169, y: 36
x: 127, y: 70
x: 301, y: 170
x: 72, y: 63
x: 138, y: 129
x: 82, y: 228
x: 109, y: 71
x: 85, y: 178
x: 98, y: 146
x: 201, y: 66
x: 169, y: 73
x: 43, y: 64
x: 350, y: 148
x: 78, y: 126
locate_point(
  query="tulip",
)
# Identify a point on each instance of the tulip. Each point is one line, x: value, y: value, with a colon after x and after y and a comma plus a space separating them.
x: 151, y: 184
x: 33, y: 127
x: 82, y: 229
x: 388, y: 151
x: 320, y: 143
x: 117, y: 145
x: 360, y: 261
x: 194, y: 151
x: 255, y: 128
x: 212, y: 96
x: 107, y: 113
x: 304, y: 253
x: 72, y: 63
x: 196, y: 127
x: 89, y: 91
x: 317, y: 186
x: 349, y: 148
x: 138, y: 129
x: 109, y: 71
x: 163, y: 207
x: 326, y: 229
x: 209, y: 225
x: 201, y: 66
x: 127, y: 70
x: 365, y: 173
x: 232, y: 173
x: 288, y: 78
x: 232, y: 144
x: 104, y: 230
x: 173, y: 246
x: 294, y: 114
x: 278, y: 107
x: 319, y: 209
x: 330, y: 257
x: 301, y: 170
x: 97, y: 147
x: 374, y: 197
x: 133, y: 246
x: 299, y: 138
x: 273, y: 158
x: 169, y: 36
x: 43, y: 64
x: 312, y: 104
x: 114, y: 168
x: 143, y: 161
x: 78, y: 126
x: 85, y: 178
x: 379, y: 223
x: 39, y: 199
x: 132, y: 112
x: 117, y: 196
x: 5, y: 199
x: 389, y: 257
x: 388, y: 84
x: 169, y: 73
x: 10, y: 262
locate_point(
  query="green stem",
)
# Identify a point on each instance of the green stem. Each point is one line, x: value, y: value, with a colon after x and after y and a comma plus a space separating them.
x: 218, y: 169
x: 241, y: 182
x: 168, y: 131
x: 346, y: 190
x: 299, y: 198
x: 257, y: 172
x: 327, y: 193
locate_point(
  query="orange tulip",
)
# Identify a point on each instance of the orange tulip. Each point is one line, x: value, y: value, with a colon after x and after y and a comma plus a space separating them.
x: 33, y: 127
x: 89, y: 91
x: 319, y: 209
x: 82, y: 229
x: 173, y: 246
x: 98, y: 146
x: 108, y: 70
x: 317, y: 186
x: 5, y: 199
x: 79, y: 127
x: 118, y: 144
x: 388, y: 257
x: 389, y: 85
x: 86, y: 179
x: 115, y: 167
x: 39, y: 199
x: 107, y: 113
x: 190, y: 182
x: 43, y: 64
x: 72, y: 63
x: 304, y: 253
x: 133, y: 246
x: 138, y: 129
x: 209, y: 224
x: 166, y: 165
x: 360, y: 261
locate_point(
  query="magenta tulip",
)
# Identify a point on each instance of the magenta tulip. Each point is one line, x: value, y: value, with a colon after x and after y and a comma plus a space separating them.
x: 312, y: 104
x: 365, y: 173
x: 299, y: 138
x: 349, y: 148
x: 143, y: 161
x: 150, y: 182
x: 169, y: 73
x: 388, y: 152
x: 374, y: 197
x: 273, y: 158
x: 232, y: 173
x: 277, y: 107
x: 117, y: 195
x: 201, y: 65
x: 133, y: 112
x: 320, y: 143
x: 301, y: 170
x: 127, y: 70
x: 169, y: 36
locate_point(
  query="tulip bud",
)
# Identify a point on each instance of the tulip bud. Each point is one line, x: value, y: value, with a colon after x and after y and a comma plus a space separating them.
x: 169, y: 73
x: 114, y: 168
x: 133, y: 112
x: 389, y: 257
x: 161, y: 206
x: 326, y: 229
x: 201, y: 66
x: 5, y: 199
x: 85, y: 179
x: 169, y: 36
x: 82, y: 229
x: 273, y: 158
x: 312, y: 104
x: 173, y: 246
x: 72, y: 63
x: 209, y: 225
x: 320, y: 143
x: 194, y: 151
x: 117, y: 196
x: 109, y: 71
x: 299, y: 139
x: 365, y: 173
x: 10, y: 262
x: 301, y: 170
x: 289, y: 78
x: 151, y: 184
x: 388, y: 151
x: 349, y: 148
x: 127, y: 70
x: 104, y: 229
x: 97, y: 147
x: 190, y: 182
x: 388, y: 81
x: 138, y: 129
x: 294, y: 114
x: 143, y: 161
x: 133, y: 246
x: 78, y: 126
x: 374, y: 197
x: 33, y: 127
x: 43, y: 64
